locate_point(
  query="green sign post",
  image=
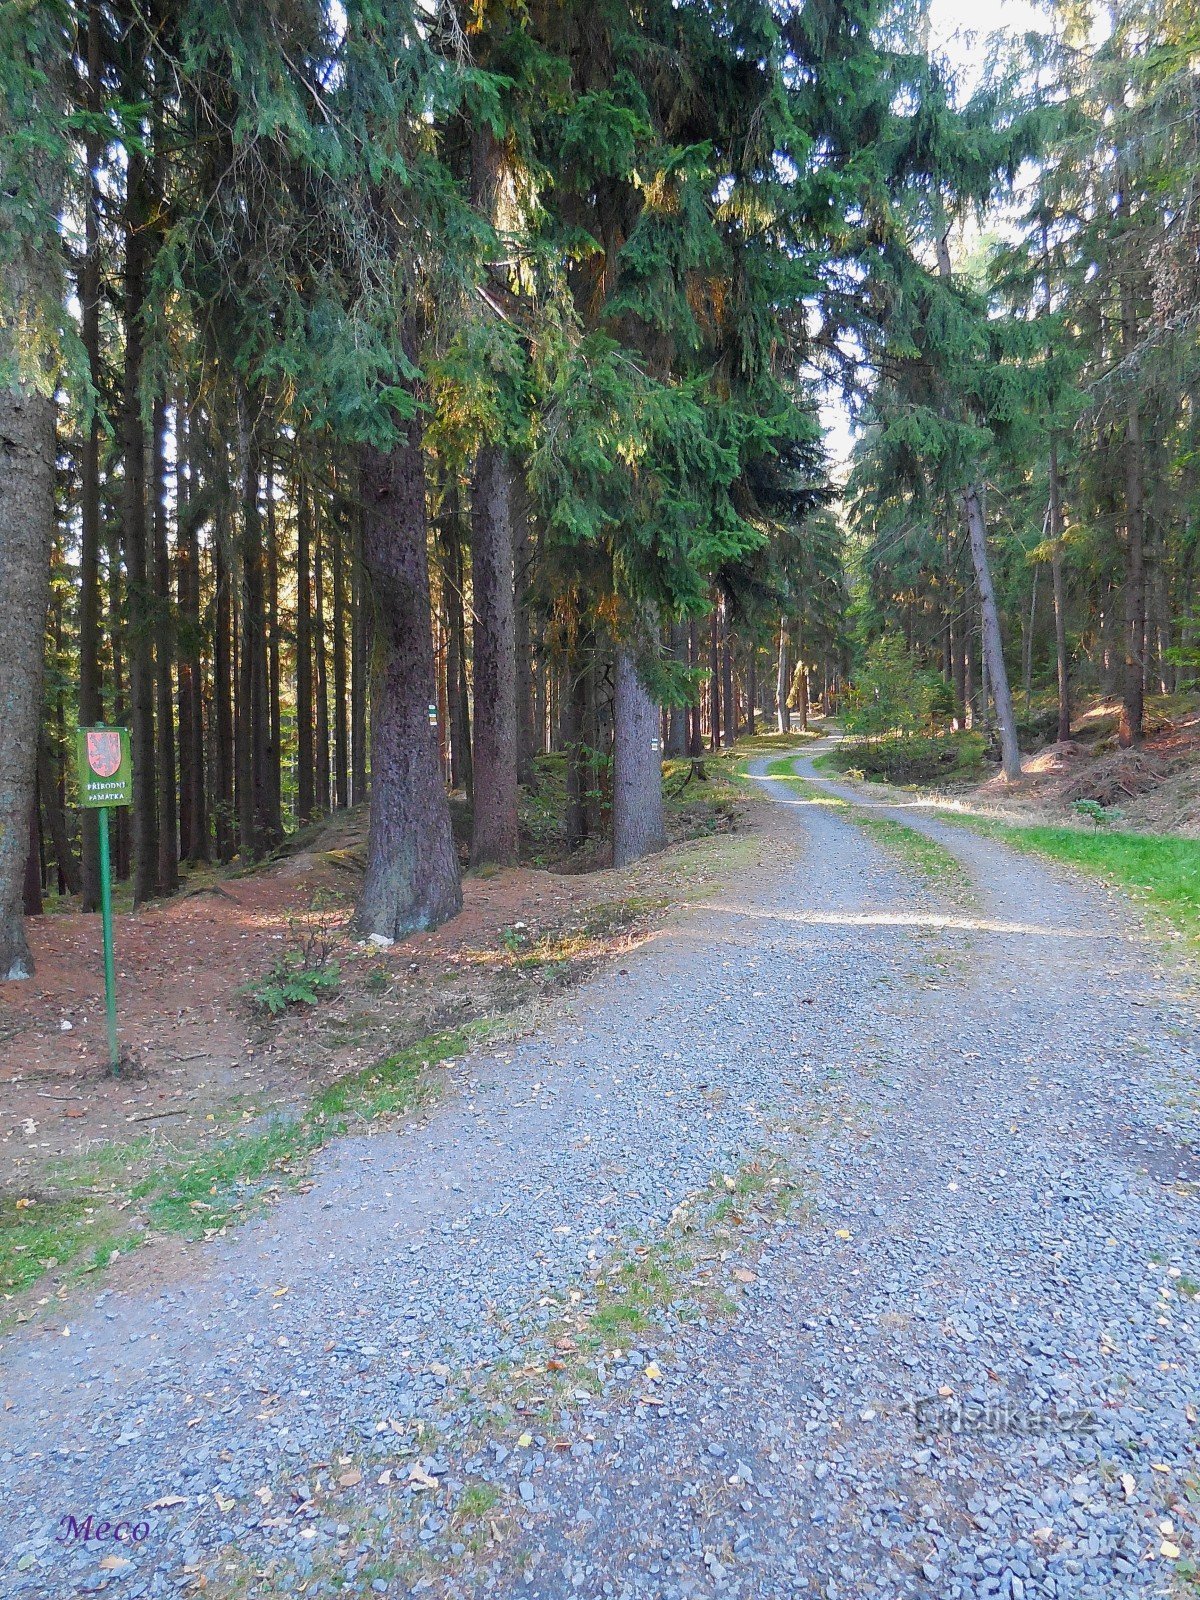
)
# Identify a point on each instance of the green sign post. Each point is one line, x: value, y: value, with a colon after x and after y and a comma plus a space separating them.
x: 105, y: 773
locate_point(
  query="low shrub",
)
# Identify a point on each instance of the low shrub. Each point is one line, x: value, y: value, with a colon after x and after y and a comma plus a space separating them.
x: 941, y: 758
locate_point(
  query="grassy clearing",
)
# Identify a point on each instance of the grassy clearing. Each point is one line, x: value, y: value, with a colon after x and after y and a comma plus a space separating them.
x: 101, y: 1205
x: 915, y: 849
x: 1160, y: 870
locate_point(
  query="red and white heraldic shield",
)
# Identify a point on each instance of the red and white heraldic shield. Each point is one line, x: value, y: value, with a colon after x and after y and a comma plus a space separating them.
x: 104, y: 751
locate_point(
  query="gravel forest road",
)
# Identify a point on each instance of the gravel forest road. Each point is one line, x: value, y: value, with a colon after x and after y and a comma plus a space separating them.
x: 964, y: 1362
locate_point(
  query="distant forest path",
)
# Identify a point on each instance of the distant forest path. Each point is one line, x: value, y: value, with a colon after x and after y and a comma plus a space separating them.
x: 562, y: 1336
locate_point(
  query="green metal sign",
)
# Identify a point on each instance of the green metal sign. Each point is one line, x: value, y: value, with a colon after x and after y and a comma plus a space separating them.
x: 105, y: 773
x: 103, y: 767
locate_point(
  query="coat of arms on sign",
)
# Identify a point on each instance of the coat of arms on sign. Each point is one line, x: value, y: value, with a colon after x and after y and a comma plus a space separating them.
x: 104, y: 751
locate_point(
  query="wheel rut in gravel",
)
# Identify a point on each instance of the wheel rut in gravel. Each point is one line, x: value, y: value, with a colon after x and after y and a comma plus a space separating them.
x: 963, y: 1364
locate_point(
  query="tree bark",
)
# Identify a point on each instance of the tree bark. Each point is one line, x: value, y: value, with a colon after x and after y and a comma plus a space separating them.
x: 714, y: 679
x: 494, y: 754
x: 782, y: 682
x: 320, y: 677
x: 304, y: 675
x: 223, y: 734
x: 638, y: 826
x: 528, y: 743
x: 992, y: 642
x: 1060, y: 600
x: 274, y: 767
x: 412, y: 879
x: 728, y: 697
x: 358, y: 668
x: 27, y: 462
x: 341, y: 726
x: 1129, y: 731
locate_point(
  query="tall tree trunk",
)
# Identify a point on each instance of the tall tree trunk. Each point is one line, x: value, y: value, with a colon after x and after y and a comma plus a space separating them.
x: 1060, y: 599
x: 1027, y: 647
x: 992, y: 643
x: 193, y: 822
x: 494, y: 755
x: 638, y: 826
x: 27, y: 463
x: 453, y: 581
x: 358, y: 667
x: 695, y: 737
x: 782, y: 679
x: 137, y: 565
x: 168, y: 814
x: 714, y: 677
x: 751, y: 686
x: 728, y: 697
x: 89, y: 500
x: 1129, y: 731
x: 528, y: 743
x: 341, y: 726
x: 274, y: 708
x: 304, y: 674
x: 320, y: 677
x: 412, y: 878
x: 224, y: 744
x: 573, y: 719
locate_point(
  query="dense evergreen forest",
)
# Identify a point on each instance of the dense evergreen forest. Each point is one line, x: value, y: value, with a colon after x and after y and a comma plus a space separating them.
x: 392, y: 393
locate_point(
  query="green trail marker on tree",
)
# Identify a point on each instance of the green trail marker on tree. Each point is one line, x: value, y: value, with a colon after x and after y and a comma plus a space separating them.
x: 105, y: 773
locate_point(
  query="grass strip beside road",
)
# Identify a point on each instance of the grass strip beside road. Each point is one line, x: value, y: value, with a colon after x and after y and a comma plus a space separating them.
x: 96, y: 1207
x: 1161, y: 871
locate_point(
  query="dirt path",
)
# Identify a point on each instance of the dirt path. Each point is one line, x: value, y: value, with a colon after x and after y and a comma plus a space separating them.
x: 963, y: 1364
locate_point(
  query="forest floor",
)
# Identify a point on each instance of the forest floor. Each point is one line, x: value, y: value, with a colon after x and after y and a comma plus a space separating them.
x: 1156, y: 786
x: 187, y: 1137
x: 838, y: 1241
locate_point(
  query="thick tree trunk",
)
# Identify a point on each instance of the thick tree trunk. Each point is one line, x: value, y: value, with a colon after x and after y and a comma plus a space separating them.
x: 992, y: 642
x: 304, y: 676
x: 638, y: 826
x: 782, y: 680
x: 412, y: 879
x: 494, y: 755
x: 751, y: 687
x: 1060, y: 600
x: 27, y: 462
